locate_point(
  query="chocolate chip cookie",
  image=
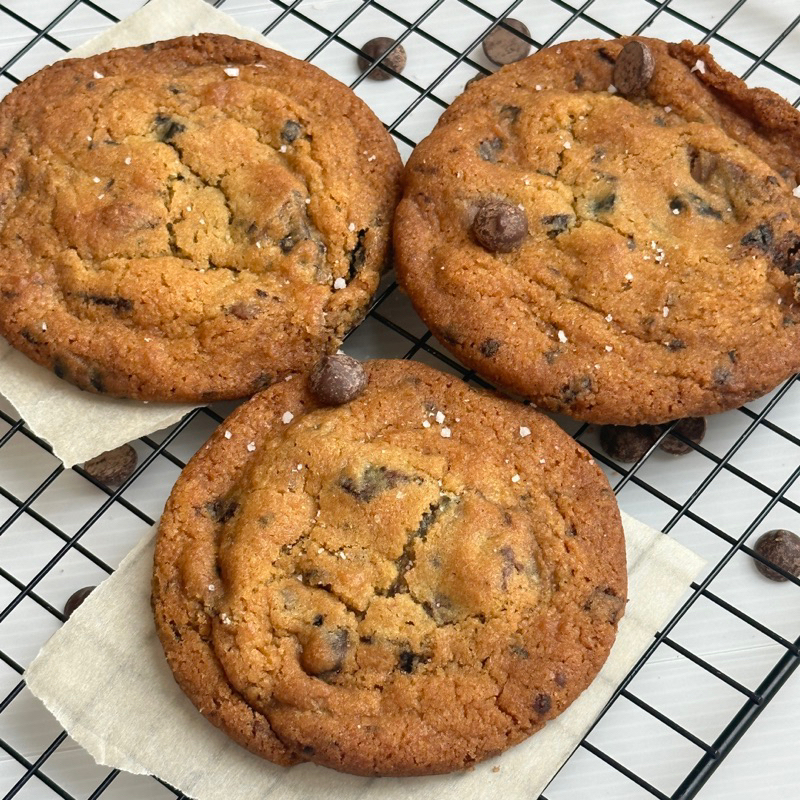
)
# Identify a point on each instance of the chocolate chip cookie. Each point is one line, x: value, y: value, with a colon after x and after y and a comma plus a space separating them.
x: 189, y: 220
x: 403, y: 584
x: 612, y: 229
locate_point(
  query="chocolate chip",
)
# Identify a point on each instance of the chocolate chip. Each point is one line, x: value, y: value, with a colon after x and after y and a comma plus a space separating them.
x: 489, y: 148
x: 222, y: 510
x: 579, y: 80
x: 560, y: 679
x: 604, y: 204
x: 119, y: 304
x: 520, y: 652
x: 676, y: 344
x: 499, y: 226
x: 542, y: 703
x: 677, y: 204
x: 721, y: 376
x: 113, y: 467
x: 372, y: 482
x: 318, y: 620
x: 324, y: 651
x: 395, y: 59
x: 691, y: 428
x: 604, y: 604
x: 578, y: 386
x: 291, y: 130
x: 76, y: 600
x: 489, y: 347
x: 503, y: 46
x: 760, y: 237
x: 59, y: 368
x: 474, y: 79
x: 782, y: 548
x: 242, y: 310
x: 628, y: 444
x: 308, y: 750
x: 96, y: 381
x: 168, y: 128
x: 703, y: 208
x: 337, y: 379
x: 407, y: 661
x: 702, y: 165
x: 634, y: 68
x: 786, y: 254
x: 557, y: 223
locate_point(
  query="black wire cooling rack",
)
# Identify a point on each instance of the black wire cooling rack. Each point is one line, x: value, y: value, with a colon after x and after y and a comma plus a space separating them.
x: 738, y: 483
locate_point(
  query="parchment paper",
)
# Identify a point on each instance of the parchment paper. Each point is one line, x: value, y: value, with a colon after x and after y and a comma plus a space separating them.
x: 80, y: 425
x: 105, y: 678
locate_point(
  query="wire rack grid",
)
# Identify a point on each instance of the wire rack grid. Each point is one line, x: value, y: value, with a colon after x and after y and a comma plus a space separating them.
x: 734, y: 642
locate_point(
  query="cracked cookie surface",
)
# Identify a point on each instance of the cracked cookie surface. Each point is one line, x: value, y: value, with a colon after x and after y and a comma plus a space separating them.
x: 658, y: 274
x: 402, y: 585
x: 189, y: 220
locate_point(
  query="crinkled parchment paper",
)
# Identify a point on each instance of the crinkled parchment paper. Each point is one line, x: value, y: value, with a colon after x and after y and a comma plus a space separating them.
x: 105, y: 678
x: 78, y: 424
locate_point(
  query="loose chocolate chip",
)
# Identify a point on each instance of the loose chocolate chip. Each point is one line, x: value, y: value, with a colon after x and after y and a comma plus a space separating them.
x: 395, y: 59
x: 782, y: 548
x: 291, y: 130
x: 628, y: 444
x: 489, y: 347
x: 634, y: 68
x: 760, y: 237
x: 691, y: 428
x: 489, y: 148
x: 604, y: 604
x: 113, y: 467
x: 76, y: 600
x: 702, y: 165
x: 499, y: 226
x: 337, y: 379
x: 324, y: 651
x: 503, y: 46
x: 556, y: 223
x: 542, y: 703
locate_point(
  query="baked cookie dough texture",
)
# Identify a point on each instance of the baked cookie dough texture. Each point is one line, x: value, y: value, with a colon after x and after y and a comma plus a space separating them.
x: 643, y: 265
x: 189, y: 220
x: 402, y: 585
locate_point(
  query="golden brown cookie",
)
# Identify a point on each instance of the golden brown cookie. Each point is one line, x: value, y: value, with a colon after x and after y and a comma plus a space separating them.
x: 402, y: 585
x: 623, y: 258
x: 189, y: 220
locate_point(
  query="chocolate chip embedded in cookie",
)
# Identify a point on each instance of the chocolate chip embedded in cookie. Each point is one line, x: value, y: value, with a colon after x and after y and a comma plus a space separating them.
x: 638, y: 256
x: 207, y: 218
x: 400, y: 585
